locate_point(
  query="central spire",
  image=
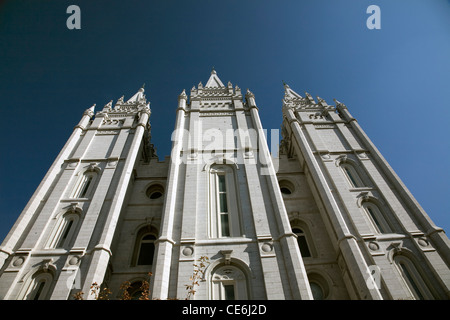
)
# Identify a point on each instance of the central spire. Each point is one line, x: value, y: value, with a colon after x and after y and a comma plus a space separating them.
x: 214, y: 81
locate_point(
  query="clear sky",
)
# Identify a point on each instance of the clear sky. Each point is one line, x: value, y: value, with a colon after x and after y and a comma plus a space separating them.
x: 394, y: 80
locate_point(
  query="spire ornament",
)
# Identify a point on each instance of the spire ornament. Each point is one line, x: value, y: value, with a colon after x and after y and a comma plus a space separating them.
x: 182, y: 95
x: 339, y: 104
x: 90, y: 112
x: 249, y: 94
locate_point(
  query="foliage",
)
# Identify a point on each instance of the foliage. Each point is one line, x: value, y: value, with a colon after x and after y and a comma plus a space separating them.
x: 99, y: 294
x: 103, y: 294
x: 144, y: 290
x: 199, y: 272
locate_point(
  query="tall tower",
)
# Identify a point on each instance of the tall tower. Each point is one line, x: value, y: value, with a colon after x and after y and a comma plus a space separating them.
x: 363, y: 219
x: 64, y: 235
x: 223, y: 202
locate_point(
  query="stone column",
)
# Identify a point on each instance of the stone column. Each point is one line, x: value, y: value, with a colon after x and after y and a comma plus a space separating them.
x: 295, y: 269
x: 164, y: 244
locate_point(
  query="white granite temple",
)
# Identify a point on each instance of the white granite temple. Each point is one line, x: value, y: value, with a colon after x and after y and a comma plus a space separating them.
x: 325, y: 218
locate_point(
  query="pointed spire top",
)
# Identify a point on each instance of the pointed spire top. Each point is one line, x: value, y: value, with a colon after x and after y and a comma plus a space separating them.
x: 182, y: 95
x: 90, y: 111
x: 322, y: 102
x: 108, y: 105
x: 339, y: 104
x: 138, y: 96
x: 289, y: 93
x: 214, y: 80
x: 310, y: 98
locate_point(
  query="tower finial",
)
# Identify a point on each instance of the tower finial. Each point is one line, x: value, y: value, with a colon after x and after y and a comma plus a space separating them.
x: 213, y: 71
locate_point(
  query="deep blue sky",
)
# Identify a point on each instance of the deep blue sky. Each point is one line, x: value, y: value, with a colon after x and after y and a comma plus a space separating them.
x: 395, y: 80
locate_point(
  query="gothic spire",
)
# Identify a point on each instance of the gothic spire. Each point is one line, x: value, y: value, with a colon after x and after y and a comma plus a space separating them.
x: 289, y: 93
x: 214, y: 80
x: 138, y: 96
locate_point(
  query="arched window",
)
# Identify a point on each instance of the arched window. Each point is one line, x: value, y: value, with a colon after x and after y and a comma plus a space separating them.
x: 37, y: 287
x: 65, y: 230
x: 144, y: 248
x: 84, y: 185
x: 413, y: 279
x: 224, y: 209
x: 376, y: 217
x: 352, y: 175
x: 228, y: 282
x: 302, y: 242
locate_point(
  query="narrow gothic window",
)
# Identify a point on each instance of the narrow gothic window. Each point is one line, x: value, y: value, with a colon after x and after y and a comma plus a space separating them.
x: 412, y: 278
x: 84, y: 185
x: 63, y: 234
x: 302, y: 242
x: 38, y: 286
x: 352, y: 175
x: 377, y: 219
x: 144, y: 247
x: 224, y: 217
x: 146, y: 250
x: 223, y: 207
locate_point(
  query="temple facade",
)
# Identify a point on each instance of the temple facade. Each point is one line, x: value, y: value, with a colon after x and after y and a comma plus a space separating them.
x: 324, y: 218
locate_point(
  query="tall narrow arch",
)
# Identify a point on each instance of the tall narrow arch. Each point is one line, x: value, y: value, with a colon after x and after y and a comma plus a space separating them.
x: 224, y: 211
x: 38, y: 283
x: 302, y: 242
x: 415, y: 281
x: 304, y: 238
x: 65, y: 230
x: 351, y: 172
x: 352, y: 175
x: 144, y: 246
x: 84, y: 185
x: 376, y: 217
x: 38, y: 287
